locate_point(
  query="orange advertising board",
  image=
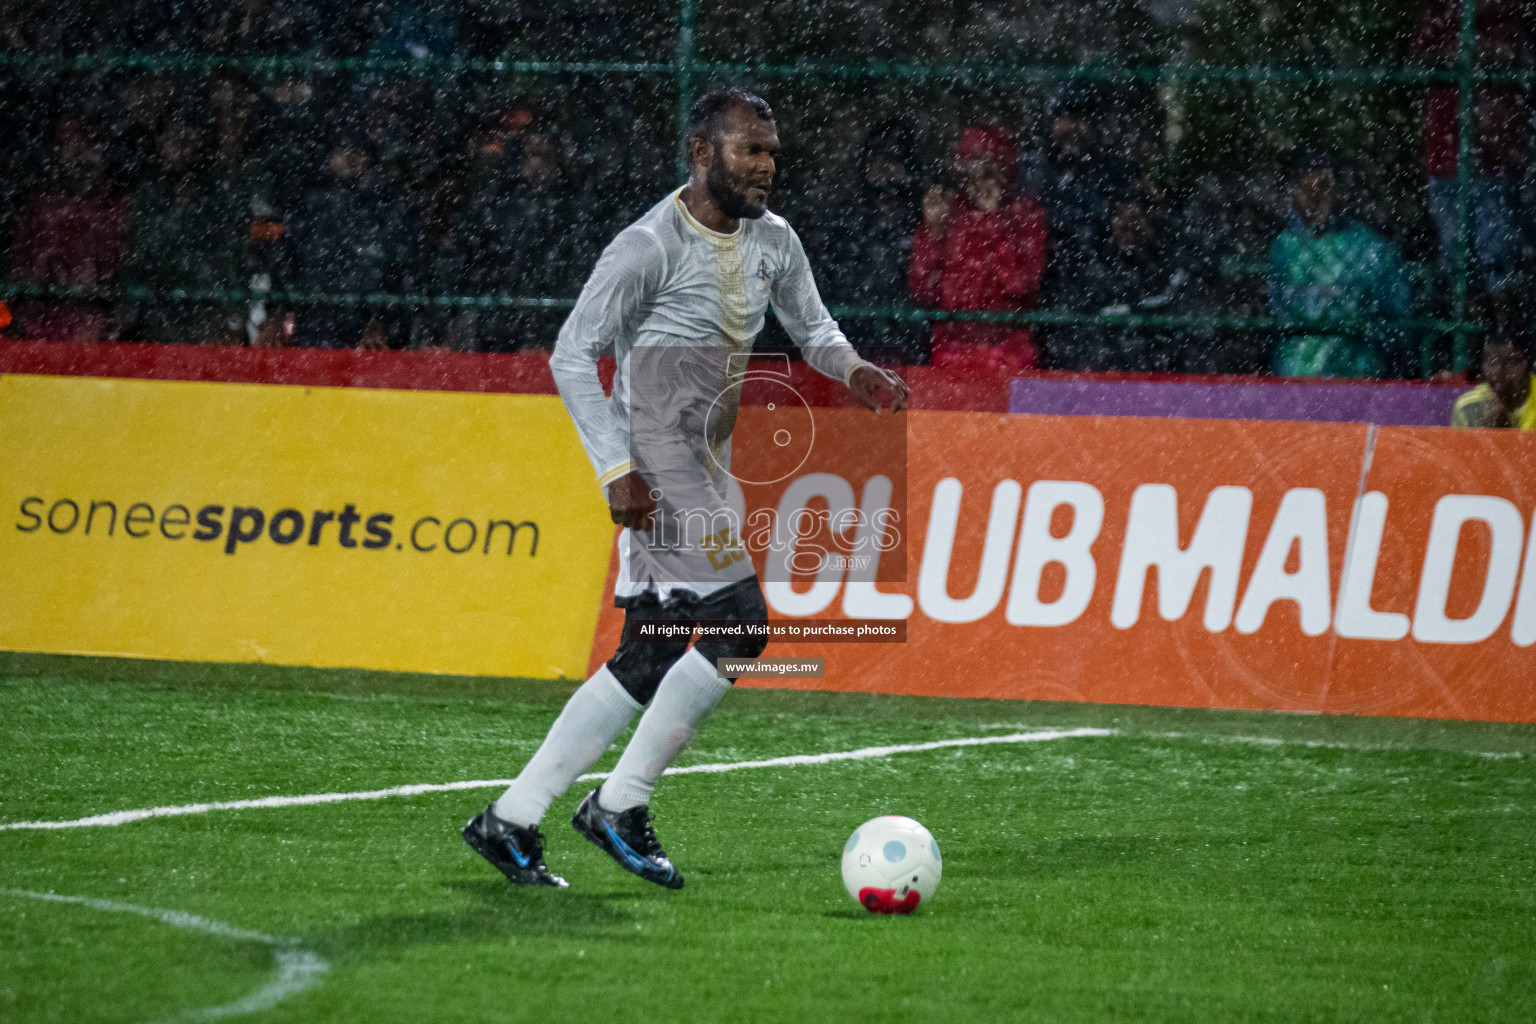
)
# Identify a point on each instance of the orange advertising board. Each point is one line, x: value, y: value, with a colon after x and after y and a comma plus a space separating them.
x: 1309, y: 567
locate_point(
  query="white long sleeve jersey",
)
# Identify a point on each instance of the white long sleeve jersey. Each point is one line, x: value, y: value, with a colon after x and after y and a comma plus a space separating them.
x: 667, y: 280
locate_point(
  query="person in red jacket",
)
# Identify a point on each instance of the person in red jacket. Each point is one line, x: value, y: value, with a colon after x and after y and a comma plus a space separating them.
x: 70, y: 232
x: 980, y: 249
x: 1501, y: 113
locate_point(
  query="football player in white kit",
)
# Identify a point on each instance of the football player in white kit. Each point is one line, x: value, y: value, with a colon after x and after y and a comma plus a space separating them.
x: 680, y: 295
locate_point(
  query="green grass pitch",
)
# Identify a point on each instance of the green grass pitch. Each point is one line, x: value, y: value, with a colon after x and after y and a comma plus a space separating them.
x: 1193, y: 866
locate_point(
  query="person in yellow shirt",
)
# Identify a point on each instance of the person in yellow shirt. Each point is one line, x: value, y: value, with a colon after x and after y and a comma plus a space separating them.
x: 1507, y: 396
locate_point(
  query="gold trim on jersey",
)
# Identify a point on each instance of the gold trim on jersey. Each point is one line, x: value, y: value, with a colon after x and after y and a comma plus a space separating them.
x: 622, y: 469
x: 731, y: 280
x: 677, y: 197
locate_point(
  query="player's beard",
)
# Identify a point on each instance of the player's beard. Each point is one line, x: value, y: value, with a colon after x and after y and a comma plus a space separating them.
x: 729, y: 194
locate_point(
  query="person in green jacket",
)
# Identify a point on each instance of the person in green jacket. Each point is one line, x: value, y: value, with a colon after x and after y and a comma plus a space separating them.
x: 1328, y: 267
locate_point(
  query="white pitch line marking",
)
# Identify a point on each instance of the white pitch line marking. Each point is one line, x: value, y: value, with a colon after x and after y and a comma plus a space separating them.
x: 296, y: 969
x: 1276, y: 741
x: 864, y: 754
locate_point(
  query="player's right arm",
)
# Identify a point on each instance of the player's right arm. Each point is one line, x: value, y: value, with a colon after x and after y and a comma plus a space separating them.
x: 612, y: 305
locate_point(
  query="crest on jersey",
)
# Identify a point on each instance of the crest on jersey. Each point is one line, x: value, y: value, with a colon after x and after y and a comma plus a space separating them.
x: 762, y: 270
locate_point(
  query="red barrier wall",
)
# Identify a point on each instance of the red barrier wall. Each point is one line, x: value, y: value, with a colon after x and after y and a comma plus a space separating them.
x: 426, y: 370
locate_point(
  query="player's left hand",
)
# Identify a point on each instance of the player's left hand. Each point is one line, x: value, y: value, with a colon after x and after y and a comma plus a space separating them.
x: 868, y: 381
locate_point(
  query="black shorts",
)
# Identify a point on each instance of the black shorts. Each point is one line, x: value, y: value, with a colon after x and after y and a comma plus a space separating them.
x: 639, y: 664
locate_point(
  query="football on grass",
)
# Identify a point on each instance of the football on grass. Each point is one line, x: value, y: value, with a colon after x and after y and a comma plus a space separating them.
x: 891, y: 864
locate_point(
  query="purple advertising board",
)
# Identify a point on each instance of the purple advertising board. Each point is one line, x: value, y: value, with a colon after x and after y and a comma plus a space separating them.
x: 1386, y: 403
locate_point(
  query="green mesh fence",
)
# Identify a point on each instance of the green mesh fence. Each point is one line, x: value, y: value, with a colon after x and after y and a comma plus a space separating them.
x: 686, y: 73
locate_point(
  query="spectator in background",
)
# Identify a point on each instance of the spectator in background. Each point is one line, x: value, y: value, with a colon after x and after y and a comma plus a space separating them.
x: 23, y: 27
x: 1507, y: 395
x: 69, y: 234
x: 1225, y: 228
x: 528, y: 233
x: 528, y: 29
x: 1078, y: 185
x: 186, y: 233
x: 349, y: 233
x: 1326, y: 266
x: 235, y: 174
x: 145, y: 99
x: 348, y: 28
x: 230, y: 108
x: 290, y: 124
x: 980, y: 248
x: 1138, y: 271
x: 486, y: 26
x: 487, y: 155
x: 404, y: 137
x: 1501, y: 122
x: 27, y: 103
x: 622, y: 168
x: 415, y: 31
x: 860, y: 241
x: 158, y: 26
x: 264, y: 27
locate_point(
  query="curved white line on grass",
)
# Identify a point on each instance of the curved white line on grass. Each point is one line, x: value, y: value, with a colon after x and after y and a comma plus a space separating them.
x: 296, y: 969
x: 864, y: 754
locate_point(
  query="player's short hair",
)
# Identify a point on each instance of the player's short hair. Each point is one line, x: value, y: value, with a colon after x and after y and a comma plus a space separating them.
x: 706, y: 118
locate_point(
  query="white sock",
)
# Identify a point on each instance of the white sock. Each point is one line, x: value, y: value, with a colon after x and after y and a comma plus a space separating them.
x: 596, y: 713
x: 687, y: 693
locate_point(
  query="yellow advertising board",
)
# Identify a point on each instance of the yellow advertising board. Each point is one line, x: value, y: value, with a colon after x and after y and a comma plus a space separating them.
x: 402, y: 530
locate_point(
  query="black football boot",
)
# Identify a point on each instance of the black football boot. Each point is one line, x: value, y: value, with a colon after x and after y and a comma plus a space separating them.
x: 514, y: 850
x: 628, y: 838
